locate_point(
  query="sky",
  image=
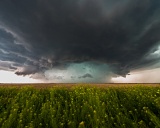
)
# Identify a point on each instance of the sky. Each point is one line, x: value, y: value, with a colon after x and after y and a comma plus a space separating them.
x: 76, y: 41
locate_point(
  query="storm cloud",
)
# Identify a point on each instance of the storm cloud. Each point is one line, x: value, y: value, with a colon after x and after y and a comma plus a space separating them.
x: 40, y: 36
x: 86, y: 76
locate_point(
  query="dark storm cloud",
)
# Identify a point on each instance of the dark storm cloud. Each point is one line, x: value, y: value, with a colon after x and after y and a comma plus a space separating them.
x: 26, y: 70
x: 6, y: 65
x: 55, y: 33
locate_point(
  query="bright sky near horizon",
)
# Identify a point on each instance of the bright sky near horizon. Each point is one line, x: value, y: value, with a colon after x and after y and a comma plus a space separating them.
x: 147, y: 76
x: 10, y: 77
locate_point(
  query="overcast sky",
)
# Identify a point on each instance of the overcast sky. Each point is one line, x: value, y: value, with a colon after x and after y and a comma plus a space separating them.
x: 96, y: 41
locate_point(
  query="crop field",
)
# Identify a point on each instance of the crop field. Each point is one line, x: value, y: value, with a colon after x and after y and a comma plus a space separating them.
x: 80, y: 106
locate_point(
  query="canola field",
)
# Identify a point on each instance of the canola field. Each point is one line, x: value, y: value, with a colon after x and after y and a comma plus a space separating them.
x: 80, y: 107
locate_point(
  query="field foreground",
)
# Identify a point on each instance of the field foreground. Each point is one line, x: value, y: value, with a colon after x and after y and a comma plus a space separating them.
x: 80, y: 106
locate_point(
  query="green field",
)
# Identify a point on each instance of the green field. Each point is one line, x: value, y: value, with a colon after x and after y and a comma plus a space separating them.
x: 80, y: 107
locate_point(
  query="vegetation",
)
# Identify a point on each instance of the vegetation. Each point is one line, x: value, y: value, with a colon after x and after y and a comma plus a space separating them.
x: 80, y: 107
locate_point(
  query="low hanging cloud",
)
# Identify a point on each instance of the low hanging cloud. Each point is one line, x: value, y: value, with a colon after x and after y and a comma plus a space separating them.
x: 87, y: 75
x: 40, y: 36
x: 26, y: 70
x: 80, y: 72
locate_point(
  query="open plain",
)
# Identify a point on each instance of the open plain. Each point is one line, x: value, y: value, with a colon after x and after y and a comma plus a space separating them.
x: 79, y: 105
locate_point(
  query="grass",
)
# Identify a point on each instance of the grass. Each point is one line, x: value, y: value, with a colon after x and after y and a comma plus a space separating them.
x: 80, y: 107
